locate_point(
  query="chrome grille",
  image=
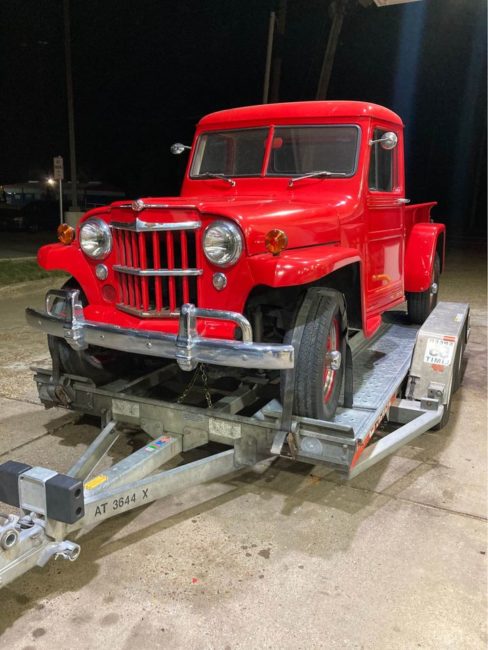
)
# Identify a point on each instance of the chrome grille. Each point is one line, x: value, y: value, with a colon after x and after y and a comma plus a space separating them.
x: 156, y: 266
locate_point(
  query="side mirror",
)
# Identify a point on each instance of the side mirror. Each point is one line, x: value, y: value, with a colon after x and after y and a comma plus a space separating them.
x: 177, y: 148
x: 388, y: 140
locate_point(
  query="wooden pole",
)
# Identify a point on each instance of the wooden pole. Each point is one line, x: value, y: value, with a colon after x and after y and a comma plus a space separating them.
x: 269, y: 52
x: 69, y: 97
x: 277, y: 63
x: 338, y: 8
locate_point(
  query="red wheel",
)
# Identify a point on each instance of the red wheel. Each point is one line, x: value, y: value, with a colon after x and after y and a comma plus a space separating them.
x: 320, y: 358
x: 331, y: 360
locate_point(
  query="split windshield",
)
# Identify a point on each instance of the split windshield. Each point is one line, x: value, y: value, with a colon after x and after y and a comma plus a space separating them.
x: 294, y: 151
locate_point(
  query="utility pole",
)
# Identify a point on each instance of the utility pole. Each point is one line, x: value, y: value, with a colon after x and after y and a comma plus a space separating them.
x: 338, y: 10
x: 69, y: 96
x: 269, y: 52
x: 278, y: 48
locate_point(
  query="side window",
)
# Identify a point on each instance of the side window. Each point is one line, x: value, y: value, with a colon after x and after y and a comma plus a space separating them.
x: 381, y: 166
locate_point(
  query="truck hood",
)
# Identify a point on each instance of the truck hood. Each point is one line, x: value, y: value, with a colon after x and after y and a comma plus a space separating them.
x: 305, y: 223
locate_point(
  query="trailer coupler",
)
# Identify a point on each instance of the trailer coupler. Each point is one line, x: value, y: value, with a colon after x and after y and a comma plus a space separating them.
x: 53, y: 506
x: 25, y: 544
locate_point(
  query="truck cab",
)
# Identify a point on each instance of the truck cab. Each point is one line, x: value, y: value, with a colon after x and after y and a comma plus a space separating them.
x: 279, y: 202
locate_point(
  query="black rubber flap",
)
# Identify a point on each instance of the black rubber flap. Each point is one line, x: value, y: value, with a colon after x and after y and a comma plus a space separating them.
x: 64, y: 499
x: 9, y: 481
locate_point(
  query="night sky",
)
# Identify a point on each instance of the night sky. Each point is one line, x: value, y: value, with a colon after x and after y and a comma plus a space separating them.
x: 145, y: 71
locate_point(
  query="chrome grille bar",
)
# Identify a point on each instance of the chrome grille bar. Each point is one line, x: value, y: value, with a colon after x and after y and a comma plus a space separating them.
x: 148, y: 226
x: 156, y: 266
x: 164, y: 273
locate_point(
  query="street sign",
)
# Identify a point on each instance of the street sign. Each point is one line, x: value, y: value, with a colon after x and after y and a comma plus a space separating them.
x: 58, y: 168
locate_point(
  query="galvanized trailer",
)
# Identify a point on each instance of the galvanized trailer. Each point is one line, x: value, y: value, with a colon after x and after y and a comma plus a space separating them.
x: 402, y: 381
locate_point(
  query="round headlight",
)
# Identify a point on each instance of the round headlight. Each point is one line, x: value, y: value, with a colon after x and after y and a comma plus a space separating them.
x: 222, y: 243
x: 95, y: 238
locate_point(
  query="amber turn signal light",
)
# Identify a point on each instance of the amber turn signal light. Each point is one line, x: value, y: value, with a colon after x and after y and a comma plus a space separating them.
x: 66, y: 233
x: 276, y: 241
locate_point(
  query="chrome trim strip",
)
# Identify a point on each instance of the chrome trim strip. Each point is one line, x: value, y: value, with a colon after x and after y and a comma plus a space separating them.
x: 140, y: 313
x: 187, y: 347
x: 177, y: 273
x: 147, y: 226
x: 164, y: 206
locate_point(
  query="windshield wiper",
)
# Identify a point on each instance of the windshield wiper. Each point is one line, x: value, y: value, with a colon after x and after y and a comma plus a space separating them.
x: 317, y: 174
x: 215, y: 175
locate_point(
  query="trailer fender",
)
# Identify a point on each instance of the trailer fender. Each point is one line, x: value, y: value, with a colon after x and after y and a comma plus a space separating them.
x: 424, y: 241
x: 57, y: 257
x: 300, y: 266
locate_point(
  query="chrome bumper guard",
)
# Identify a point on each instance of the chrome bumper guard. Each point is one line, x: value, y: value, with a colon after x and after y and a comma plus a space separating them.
x: 64, y: 317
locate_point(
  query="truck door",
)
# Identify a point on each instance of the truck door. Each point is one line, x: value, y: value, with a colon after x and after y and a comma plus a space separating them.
x: 385, y: 222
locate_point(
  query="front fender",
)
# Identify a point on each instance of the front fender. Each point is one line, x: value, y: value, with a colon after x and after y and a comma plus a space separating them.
x: 300, y: 266
x: 58, y: 257
x: 420, y: 253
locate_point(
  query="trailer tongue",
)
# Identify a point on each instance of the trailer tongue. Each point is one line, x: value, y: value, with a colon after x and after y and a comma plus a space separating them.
x: 404, y: 377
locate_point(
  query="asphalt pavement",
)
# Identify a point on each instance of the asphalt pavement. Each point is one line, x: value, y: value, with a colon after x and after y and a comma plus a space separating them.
x: 278, y: 556
x: 15, y: 245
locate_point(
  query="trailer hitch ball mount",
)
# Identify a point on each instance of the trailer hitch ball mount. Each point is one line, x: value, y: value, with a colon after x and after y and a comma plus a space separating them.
x: 9, y: 535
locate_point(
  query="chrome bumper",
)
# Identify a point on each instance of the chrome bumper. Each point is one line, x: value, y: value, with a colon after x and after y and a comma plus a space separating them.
x: 187, y: 347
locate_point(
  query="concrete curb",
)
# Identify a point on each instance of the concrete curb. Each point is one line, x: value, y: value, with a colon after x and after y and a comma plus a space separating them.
x: 18, y: 259
x: 31, y: 286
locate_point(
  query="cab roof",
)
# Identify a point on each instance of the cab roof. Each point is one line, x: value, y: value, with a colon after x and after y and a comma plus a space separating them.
x: 290, y: 111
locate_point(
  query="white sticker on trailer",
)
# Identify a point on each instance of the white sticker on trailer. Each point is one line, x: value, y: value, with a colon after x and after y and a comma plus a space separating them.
x: 122, y: 408
x: 439, y: 352
x: 224, y: 428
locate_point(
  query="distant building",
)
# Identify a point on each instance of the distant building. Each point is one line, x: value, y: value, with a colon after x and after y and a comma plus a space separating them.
x: 90, y: 195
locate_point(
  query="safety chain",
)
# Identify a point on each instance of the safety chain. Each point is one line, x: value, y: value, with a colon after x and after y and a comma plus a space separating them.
x: 199, y: 370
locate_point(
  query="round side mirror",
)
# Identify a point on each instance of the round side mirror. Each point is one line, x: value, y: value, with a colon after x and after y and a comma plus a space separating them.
x: 177, y: 148
x: 389, y: 141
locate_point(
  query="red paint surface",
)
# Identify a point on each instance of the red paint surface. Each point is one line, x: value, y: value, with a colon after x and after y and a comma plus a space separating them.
x: 329, y: 222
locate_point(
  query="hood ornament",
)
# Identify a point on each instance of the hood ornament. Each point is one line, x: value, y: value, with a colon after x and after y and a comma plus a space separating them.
x: 138, y: 205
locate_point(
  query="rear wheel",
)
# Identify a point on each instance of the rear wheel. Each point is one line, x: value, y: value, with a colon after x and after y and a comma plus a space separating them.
x: 421, y: 303
x: 320, y: 358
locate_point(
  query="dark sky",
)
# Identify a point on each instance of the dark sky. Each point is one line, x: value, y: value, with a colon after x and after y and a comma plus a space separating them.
x: 145, y: 71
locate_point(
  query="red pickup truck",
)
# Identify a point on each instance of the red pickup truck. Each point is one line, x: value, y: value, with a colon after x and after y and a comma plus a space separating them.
x: 277, y: 199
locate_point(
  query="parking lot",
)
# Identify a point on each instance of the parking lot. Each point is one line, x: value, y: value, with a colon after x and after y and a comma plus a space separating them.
x: 282, y: 555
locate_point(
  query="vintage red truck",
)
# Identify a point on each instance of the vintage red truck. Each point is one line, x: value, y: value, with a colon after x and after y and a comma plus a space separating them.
x: 276, y: 199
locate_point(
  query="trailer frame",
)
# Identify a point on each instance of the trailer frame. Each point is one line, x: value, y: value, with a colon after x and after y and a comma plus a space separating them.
x: 404, y: 376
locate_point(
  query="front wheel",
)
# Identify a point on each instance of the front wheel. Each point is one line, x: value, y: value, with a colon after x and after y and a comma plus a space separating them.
x: 101, y: 365
x: 320, y: 358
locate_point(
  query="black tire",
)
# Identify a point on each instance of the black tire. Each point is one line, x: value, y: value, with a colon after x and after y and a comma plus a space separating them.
x: 101, y: 365
x: 317, y: 386
x: 92, y: 363
x: 421, y: 303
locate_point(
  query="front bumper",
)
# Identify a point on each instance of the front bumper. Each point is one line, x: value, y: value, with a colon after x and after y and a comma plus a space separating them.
x: 64, y: 318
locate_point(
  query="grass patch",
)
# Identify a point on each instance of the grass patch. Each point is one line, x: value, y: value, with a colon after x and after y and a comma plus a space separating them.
x: 13, y: 272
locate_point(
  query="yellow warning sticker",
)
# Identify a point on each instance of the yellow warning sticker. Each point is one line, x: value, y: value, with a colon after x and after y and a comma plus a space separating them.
x: 95, y: 482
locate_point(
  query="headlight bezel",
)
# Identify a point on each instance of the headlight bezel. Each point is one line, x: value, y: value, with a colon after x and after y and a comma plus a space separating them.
x: 106, y: 231
x: 237, y: 237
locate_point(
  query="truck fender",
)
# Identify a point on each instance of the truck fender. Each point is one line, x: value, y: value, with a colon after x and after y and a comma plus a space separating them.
x: 424, y: 241
x: 301, y: 265
x: 58, y: 257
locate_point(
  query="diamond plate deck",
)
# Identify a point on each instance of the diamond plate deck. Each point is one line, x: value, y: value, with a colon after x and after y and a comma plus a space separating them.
x: 380, y: 367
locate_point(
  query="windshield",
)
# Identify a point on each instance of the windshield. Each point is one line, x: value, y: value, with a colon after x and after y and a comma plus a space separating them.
x: 232, y: 153
x: 298, y: 150
x: 295, y: 150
